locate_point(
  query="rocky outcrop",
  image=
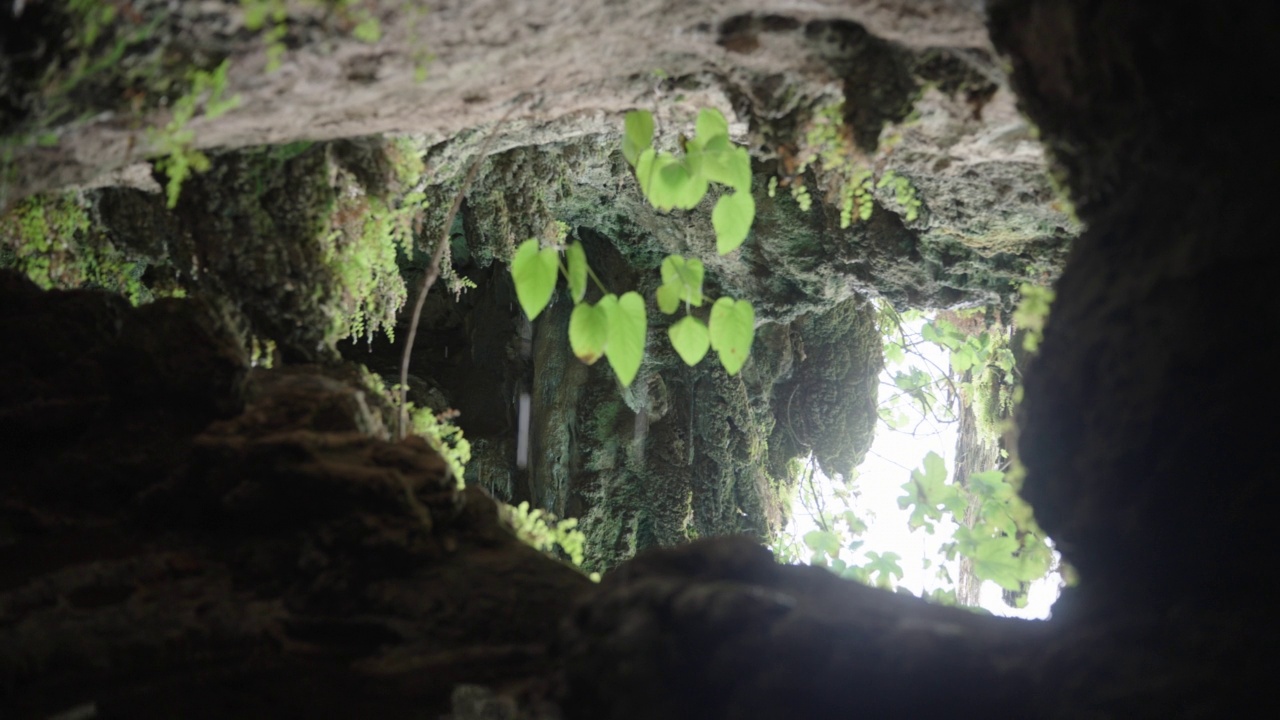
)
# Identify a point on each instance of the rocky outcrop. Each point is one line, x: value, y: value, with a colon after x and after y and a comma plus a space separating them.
x: 239, y: 542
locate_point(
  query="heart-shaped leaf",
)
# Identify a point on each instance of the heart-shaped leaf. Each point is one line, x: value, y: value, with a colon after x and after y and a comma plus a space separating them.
x: 732, y: 220
x: 690, y: 339
x: 664, y: 179
x: 577, y: 261
x: 732, y: 328
x: 668, y: 298
x: 685, y: 276
x: 721, y: 161
x: 710, y: 124
x: 644, y: 169
x: 628, y: 326
x: 638, y: 135
x: 534, y: 272
x: 588, y: 332
x: 674, y: 186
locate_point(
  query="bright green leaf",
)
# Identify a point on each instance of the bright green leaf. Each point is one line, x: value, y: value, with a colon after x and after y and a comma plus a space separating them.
x: 577, y: 258
x: 726, y: 163
x: 645, y: 169
x: 628, y: 327
x: 884, y: 566
x: 990, y: 484
x: 935, y: 470
x: 823, y: 541
x: 690, y: 339
x: 894, y: 353
x: 534, y: 272
x: 667, y: 183
x: 994, y: 560
x: 685, y: 276
x: 710, y: 124
x: 856, y: 525
x: 638, y: 135
x: 589, y: 332
x: 668, y: 298
x: 733, y: 327
x: 996, y: 517
x: 732, y: 218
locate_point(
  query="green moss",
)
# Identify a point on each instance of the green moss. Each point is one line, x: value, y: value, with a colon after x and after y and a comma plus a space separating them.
x: 992, y: 403
x: 828, y: 406
x: 50, y: 239
x: 361, y: 249
x: 175, y: 142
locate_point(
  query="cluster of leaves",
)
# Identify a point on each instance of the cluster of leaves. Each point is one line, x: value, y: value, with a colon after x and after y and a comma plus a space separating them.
x: 545, y: 532
x: 837, y: 535
x: 274, y: 17
x: 48, y: 238
x: 444, y: 436
x: 1005, y: 543
x: 98, y: 41
x: 829, y: 145
x: 535, y: 527
x: 366, y: 236
x: 616, y: 327
x: 995, y: 529
x: 972, y: 357
x: 1032, y: 313
x: 904, y: 193
x: 438, y: 429
x: 176, y: 142
x: 680, y: 182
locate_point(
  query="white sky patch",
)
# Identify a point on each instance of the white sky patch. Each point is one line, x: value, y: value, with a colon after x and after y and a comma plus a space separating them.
x: 878, y: 486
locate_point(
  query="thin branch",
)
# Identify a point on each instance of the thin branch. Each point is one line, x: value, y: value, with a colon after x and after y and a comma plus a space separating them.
x: 433, y: 272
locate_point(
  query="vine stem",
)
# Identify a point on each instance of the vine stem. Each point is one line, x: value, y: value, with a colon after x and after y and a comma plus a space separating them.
x: 433, y: 272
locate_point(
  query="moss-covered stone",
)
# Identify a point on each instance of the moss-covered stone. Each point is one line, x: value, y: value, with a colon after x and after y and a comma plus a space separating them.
x: 54, y: 240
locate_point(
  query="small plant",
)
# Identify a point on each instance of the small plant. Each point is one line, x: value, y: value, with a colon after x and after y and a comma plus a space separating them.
x: 1032, y: 313
x: 176, y: 141
x: 261, y: 352
x: 540, y: 529
x: 616, y: 327
x: 365, y: 238
x: 438, y: 429
x: 445, y: 437
x: 828, y: 144
x: 903, y: 192
x: 258, y: 13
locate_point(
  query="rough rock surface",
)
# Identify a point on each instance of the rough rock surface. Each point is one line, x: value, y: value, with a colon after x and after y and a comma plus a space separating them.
x: 183, y: 541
